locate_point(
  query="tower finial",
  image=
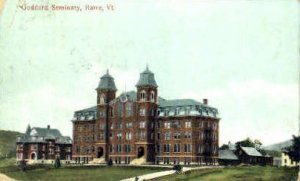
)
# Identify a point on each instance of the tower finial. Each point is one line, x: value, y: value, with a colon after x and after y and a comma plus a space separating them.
x: 147, y: 67
x: 107, y: 71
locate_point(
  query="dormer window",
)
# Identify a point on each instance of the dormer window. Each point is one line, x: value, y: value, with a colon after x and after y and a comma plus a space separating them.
x: 143, y: 95
x: 177, y: 111
x: 152, y: 96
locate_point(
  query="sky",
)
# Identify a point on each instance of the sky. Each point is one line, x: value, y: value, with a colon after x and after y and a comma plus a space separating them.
x: 243, y: 56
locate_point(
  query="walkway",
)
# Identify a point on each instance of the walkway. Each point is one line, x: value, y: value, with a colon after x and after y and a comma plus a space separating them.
x: 168, y: 172
x: 5, y: 178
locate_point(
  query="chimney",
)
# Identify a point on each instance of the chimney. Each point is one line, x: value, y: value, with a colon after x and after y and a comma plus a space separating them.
x: 205, y: 101
x: 48, y: 126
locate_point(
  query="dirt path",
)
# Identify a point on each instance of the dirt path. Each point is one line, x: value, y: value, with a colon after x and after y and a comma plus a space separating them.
x: 5, y: 178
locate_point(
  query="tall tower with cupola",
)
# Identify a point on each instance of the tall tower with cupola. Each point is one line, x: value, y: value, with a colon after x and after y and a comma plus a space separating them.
x: 146, y: 110
x: 106, y: 92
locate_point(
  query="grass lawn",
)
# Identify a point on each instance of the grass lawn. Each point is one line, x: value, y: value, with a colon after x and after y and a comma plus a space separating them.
x: 81, y: 173
x: 7, y: 162
x: 246, y: 173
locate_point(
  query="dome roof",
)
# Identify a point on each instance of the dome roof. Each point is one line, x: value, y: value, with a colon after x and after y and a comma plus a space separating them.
x: 107, y: 82
x: 146, y: 79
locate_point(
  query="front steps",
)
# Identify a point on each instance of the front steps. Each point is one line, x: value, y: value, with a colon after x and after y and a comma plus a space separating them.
x: 97, y: 161
x: 138, y: 161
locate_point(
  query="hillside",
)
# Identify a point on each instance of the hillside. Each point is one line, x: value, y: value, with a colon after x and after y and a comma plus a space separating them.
x: 279, y: 146
x: 8, y: 143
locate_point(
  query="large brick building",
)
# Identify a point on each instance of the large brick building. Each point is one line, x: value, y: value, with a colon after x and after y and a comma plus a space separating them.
x: 140, y: 127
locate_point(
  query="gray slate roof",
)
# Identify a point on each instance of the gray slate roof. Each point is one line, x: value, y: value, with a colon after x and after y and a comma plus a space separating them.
x: 251, y: 151
x: 107, y: 82
x: 187, y: 107
x: 40, y: 135
x: 227, y: 155
x: 179, y: 102
x: 146, y: 79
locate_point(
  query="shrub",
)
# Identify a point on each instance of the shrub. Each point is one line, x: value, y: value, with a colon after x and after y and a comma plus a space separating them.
x: 177, y: 168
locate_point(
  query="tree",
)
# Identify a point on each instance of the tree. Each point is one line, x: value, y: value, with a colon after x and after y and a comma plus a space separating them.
x: 294, y: 150
x: 224, y: 147
x: 245, y: 143
x: 57, y: 162
x: 110, y: 162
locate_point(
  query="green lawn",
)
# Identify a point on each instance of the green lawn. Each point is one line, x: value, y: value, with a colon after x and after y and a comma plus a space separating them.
x: 7, y: 162
x: 246, y: 173
x: 81, y: 173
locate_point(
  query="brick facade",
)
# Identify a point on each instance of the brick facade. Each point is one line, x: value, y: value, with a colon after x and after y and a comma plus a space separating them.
x: 40, y: 145
x: 140, y: 124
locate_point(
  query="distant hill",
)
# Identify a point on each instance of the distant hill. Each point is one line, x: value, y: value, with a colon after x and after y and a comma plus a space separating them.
x: 8, y: 143
x: 279, y: 146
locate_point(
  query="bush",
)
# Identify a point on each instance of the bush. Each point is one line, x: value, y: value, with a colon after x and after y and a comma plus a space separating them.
x: 177, y: 168
x: 110, y: 162
x: 57, y: 163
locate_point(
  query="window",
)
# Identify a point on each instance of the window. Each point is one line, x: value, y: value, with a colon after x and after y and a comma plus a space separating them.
x: 142, y: 124
x: 101, y: 136
x: 167, y: 125
x: 158, y: 136
x: 68, y: 149
x: 101, y: 114
x: 120, y: 109
x: 177, y: 147
x: 129, y: 109
x: 177, y: 124
x: 152, y: 96
x: 201, y: 135
x: 168, y: 136
x: 188, y: 135
x: 142, y: 135
x: 188, y: 124
x: 111, y: 112
x: 102, y: 99
x: 128, y: 136
x: 167, y: 147
x: 177, y: 135
x: 120, y: 125
x: 187, y: 148
x: 129, y: 125
x: 101, y: 126
x: 151, y: 125
x: 118, y: 148
x: 177, y: 111
x: 142, y: 112
x: 119, y: 136
x: 57, y: 148
x: 33, y: 147
x: 201, y: 124
x: 77, y: 149
x: 158, y: 148
x: 127, y: 148
x: 215, y: 126
x: 153, y: 112
x: 200, y: 148
x: 143, y: 95
x: 111, y: 125
x: 188, y: 110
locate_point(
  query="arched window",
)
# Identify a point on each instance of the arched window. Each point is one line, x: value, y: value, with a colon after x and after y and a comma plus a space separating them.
x: 143, y: 95
x: 152, y: 96
x: 102, y: 99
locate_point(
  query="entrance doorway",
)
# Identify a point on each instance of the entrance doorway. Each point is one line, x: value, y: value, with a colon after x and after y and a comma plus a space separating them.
x: 141, y: 152
x: 100, y: 152
x: 33, y: 156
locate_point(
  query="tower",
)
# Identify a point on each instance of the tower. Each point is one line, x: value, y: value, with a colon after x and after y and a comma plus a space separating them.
x: 106, y: 91
x: 146, y: 110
